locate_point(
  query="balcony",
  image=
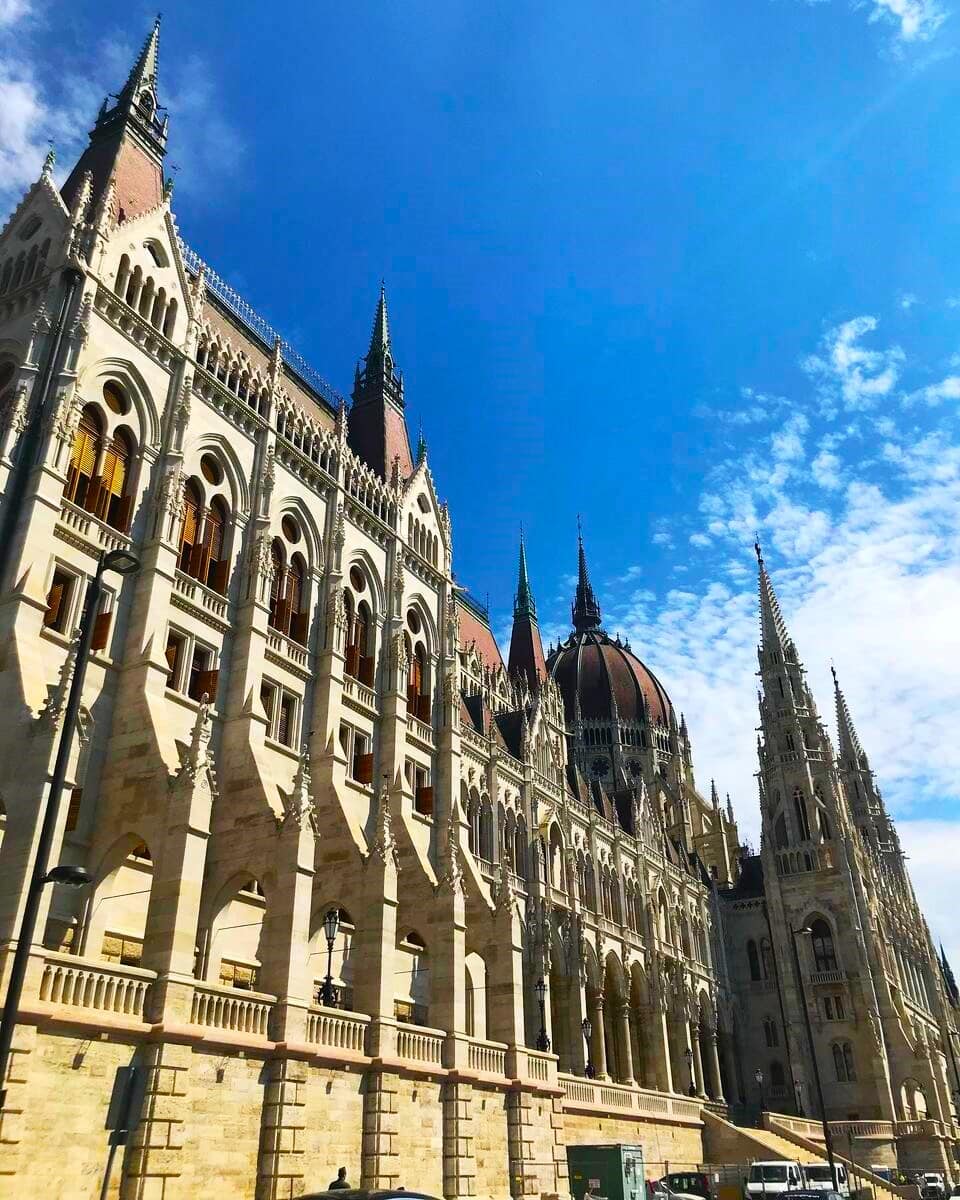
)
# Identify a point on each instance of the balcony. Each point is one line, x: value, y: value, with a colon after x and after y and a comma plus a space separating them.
x: 231, y: 1009
x: 487, y: 1058
x: 607, y: 1096
x: 286, y: 650
x: 91, y: 532
x: 833, y: 978
x: 419, y: 1045
x: 420, y: 733
x: 99, y: 987
x: 337, y: 1030
x: 923, y: 1128
x: 200, y: 596
x: 359, y: 696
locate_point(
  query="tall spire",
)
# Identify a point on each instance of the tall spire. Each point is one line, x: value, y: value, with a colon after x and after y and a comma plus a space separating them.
x: 949, y: 982
x: 851, y: 752
x: 377, y: 427
x: 526, y: 649
x: 128, y: 140
x: 524, y: 604
x: 714, y: 798
x: 773, y: 628
x: 586, y: 608
x: 380, y: 334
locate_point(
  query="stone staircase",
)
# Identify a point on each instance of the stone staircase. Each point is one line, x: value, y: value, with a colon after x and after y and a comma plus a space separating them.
x: 725, y: 1142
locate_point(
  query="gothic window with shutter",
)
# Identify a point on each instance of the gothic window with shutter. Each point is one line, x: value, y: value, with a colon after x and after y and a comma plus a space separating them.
x: 80, y: 487
x: 190, y: 530
x: 277, y: 584
x: 113, y: 503
x: 824, y: 954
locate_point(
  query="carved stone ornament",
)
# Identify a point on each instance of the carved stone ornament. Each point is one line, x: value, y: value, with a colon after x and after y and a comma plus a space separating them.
x: 336, y: 614
x: 384, y: 844
x: 300, y: 810
x: 261, y: 560
x: 16, y: 414
x: 452, y: 877
x: 504, y: 896
x: 51, y: 714
x: 66, y: 416
x: 196, y: 762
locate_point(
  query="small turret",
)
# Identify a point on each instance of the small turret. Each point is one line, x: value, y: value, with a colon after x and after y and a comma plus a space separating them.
x: 377, y: 425
x: 526, y: 659
x: 586, y: 607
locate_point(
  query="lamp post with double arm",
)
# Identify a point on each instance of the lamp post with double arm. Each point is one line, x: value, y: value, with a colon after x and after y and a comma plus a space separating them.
x: 124, y: 563
x: 586, y: 1028
x: 540, y: 987
x: 331, y: 927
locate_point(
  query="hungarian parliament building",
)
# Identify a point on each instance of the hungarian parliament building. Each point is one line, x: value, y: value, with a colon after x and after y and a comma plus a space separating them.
x: 362, y: 889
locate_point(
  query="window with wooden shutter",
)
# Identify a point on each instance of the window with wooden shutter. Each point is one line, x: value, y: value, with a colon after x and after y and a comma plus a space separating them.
x: 287, y: 719
x: 364, y: 771
x: 423, y: 801
x: 299, y: 627
x: 58, y: 601
x: 190, y: 530
x: 83, y: 460
x: 213, y: 532
x: 276, y: 584
x: 73, y: 810
x: 101, y: 630
x: 113, y: 481
x: 268, y: 698
x: 176, y: 644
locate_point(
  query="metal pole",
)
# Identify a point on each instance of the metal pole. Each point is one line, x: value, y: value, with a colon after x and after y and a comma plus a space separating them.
x: 827, y: 1137
x: 328, y: 982
x: 47, y: 828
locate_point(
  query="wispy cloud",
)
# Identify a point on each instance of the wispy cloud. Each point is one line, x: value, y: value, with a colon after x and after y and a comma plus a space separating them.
x: 849, y: 372
x: 910, y: 20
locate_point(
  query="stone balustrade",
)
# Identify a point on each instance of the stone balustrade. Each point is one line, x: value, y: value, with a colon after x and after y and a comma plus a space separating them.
x: 337, y: 1030
x: 101, y: 987
x: 844, y: 1130
x: 91, y: 529
x: 487, y: 1058
x: 231, y: 1009
x: 922, y: 1128
x: 606, y: 1095
x: 419, y: 1045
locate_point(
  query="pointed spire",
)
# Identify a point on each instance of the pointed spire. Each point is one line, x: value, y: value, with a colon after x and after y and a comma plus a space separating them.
x: 851, y: 752
x: 730, y: 817
x: 714, y: 797
x: 421, y: 443
x: 773, y: 629
x: 144, y: 72
x: 380, y: 334
x: 524, y: 604
x: 586, y: 609
x: 949, y: 980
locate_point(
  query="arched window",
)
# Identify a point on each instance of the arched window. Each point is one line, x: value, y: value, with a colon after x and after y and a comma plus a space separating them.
x: 277, y: 577
x: 81, y: 487
x: 780, y: 837
x: 418, y: 691
x: 777, y: 1077
x: 766, y: 959
x: 824, y: 955
x: 362, y: 642
x: 296, y: 596
x: 754, y: 959
x: 190, y: 530
x: 800, y: 809
x: 213, y: 566
x: 520, y: 850
x: 770, y: 1035
x: 843, y: 1064
x: 113, y: 501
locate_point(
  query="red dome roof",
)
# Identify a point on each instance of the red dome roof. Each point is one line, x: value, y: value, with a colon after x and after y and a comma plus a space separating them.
x: 591, y: 667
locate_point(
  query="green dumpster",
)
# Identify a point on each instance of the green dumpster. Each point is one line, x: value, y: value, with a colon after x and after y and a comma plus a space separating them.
x: 612, y: 1171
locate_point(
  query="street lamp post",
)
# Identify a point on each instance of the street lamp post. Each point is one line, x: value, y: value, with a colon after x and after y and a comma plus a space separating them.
x: 331, y: 927
x: 123, y: 563
x: 758, y: 1076
x: 586, y: 1028
x: 543, y: 1042
x: 688, y: 1055
x: 827, y: 1136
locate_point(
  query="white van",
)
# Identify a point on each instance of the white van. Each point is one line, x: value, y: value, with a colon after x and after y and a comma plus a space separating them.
x: 817, y: 1178
x: 774, y: 1178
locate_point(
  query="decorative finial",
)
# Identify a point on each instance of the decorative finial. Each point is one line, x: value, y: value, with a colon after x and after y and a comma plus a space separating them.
x: 756, y: 548
x: 50, y: 160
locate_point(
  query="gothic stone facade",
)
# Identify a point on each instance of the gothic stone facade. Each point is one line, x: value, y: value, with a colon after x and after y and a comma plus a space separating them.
x: 292, y: 710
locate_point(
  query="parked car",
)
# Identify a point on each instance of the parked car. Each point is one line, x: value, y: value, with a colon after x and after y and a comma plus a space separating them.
x: 775, y: 1178
x: 363, y: 1194
x: 658, y: 1190
x: 816, y: 1194
x: 690, y: 1183
x: 817, y: 1177
x: 932, y: 1186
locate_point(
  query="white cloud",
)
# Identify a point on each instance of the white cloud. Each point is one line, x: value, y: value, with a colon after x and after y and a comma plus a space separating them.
x: 936, y: 393
x: 12, y: 11
x: 826, y: 470
x: 907, y: 301
x: 931, y: 850
x: 912, y: 20
x: 850, y: 373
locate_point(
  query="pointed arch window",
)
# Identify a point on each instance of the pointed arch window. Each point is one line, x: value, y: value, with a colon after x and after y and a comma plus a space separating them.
x: 800, y: 810
x: 190, y: 530
x: 824, y: 954
x: 277, y: 578
x: 754, y: 960
x: 418, y: 690
x: 766, y: 959
x: 80, y: 486
x: 113, y: 500
x: 296, y: 599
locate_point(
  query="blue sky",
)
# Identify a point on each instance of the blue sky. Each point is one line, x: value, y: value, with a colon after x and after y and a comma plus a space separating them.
x: 687, y: 268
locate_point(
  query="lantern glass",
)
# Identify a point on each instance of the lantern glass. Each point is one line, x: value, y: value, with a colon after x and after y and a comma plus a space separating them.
x: 586, y: 1027
x: 331, y: 924
x: 541, y: 989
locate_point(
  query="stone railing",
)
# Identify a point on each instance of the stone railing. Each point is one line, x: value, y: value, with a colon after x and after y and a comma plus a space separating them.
x: 363, y: 697
x: 286, y: 648
x: 922, y: 1128
x: 798, y: 1125
x: 489, y: 1058
x: 204, y: 597
x: 92, y: 529
x: 101, y: 987
x: 606, y: 1095
x: 231, y: 1009
x: 419, y: 1045
x: 843, y: 1131
x: 831, y: 977
x: 337, y: 1030
x: 536, y: 1065
x: 420, y: 732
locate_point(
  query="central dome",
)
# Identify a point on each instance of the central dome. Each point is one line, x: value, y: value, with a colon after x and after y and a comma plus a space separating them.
x: 592, y: 669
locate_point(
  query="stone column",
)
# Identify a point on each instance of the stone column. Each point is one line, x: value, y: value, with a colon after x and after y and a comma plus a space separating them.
x: 715, y: 1068
x: 380, y: 1155
x: 459, y: 1164
x: 694, y: 1045
x: 599, y: 1044
x: 280, y: 1172
x: 662, y: 1066
x: 155, y: 1154
x: 622, y: 1018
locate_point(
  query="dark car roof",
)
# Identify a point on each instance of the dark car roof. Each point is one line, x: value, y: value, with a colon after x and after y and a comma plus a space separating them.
x: 363, y: 1194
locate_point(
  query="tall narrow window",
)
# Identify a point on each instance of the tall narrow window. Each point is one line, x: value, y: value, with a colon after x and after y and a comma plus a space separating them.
x: 190, y: 531
x: 277, y: 575
x: 80, y: 486
x: 754, y: 959
x: 213, y: 565
x: 800, y: 809
x: 824, y: 955
x: 113, y: 503
x: 296, y: 597
x: 361, y: 641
